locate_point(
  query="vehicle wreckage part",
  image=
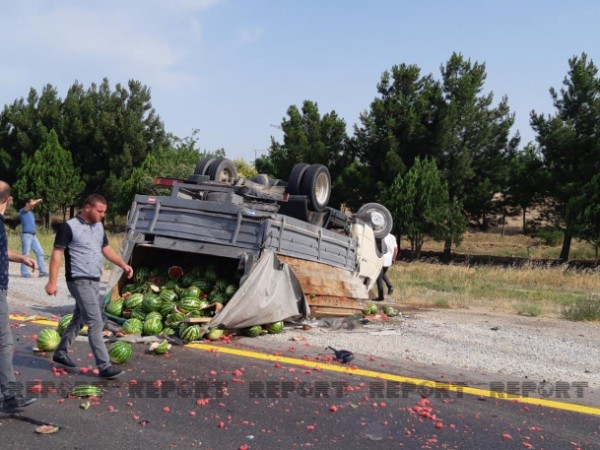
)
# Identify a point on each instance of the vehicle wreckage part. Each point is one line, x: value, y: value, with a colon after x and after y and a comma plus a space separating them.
x: 203, y: 165
x: 316, y: 185
x: 295, y: 179
x: 222, y: 170
x: 378, y: 217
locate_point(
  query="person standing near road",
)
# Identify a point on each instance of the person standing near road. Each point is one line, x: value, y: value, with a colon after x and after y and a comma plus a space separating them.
x: 391, y: 252
x: 29, y: 240
x: 84, y: 244
x: 11, y: 400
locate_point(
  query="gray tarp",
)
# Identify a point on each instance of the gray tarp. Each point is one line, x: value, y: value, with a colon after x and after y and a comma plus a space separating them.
x: 269, y: 294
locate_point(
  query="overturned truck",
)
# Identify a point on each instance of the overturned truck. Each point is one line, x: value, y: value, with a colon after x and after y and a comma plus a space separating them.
x: 254, y: 251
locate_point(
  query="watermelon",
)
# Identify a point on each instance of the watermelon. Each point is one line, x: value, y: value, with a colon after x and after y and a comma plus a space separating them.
x: 275, y: 327
x: 138, y: 313
x: 230, y: 290
x: 253, y: 331
x: 115, y: 307
x: 166, y: 308
x: 64, y: 323
x: 217, y: 297
x: 390, y: 311
x: 134, y: 300
x: 192, y: 291
x: 189, y: 332
x: 128, y: 288
x: 203, y: 284
x: 186, y: 280
x: 160, y: 348
x: 152, y: 326
x: 215, y: 334
x: 210, y: 275
x: 48, y: 339
x: 196, y: 271
x: 175, y: 272
x: 370, y: 309
x: 120, y: 352
x: 168, y: 295
x: 188, y: 304
x: 141, y: 275
x: 132, y: 326
x: 153, y: 315
x: 170, y: 284
x: 151, y: 302
x: 167, y: 331
x: 221, y: 284
x: 174, y: 319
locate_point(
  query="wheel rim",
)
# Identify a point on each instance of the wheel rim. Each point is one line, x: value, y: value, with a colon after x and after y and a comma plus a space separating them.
x: 322, y: 188
x: 226, y: 176
x: 377, y: 220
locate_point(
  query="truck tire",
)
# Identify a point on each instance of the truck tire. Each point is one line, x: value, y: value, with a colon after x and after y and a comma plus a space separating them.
x: 378, y: 216
x: 222, y: 170
x: 202, y: 166
x: 295, y: 180
x: 316, y: 185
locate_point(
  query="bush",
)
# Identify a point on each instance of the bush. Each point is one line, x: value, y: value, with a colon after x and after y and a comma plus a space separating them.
x: 584, y: 309
x: 550, y: 237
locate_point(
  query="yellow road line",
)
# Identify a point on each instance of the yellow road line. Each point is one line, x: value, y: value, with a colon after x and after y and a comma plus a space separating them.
x: 398, y: 378
x: 374, y: 374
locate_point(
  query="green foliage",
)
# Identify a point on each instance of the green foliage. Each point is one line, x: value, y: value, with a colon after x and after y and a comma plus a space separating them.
x: 420, y: 206
x: 549, y: 237
x: 584, y: 212
x: 51, y: 175
x: 570, y: 139
x: 584, y: 309
x: 311, y: 139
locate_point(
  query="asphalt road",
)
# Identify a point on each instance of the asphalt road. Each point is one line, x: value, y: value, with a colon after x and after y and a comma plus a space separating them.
x: 238, y: 395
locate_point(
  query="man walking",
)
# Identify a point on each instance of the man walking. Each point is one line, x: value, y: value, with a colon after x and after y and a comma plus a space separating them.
x: 84, y: 244
x: 11, y: 399
x: 391, y: 251
x: 29, y: 240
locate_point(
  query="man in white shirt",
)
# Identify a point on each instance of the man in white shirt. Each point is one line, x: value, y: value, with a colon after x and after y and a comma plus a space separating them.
x: 390, y: 247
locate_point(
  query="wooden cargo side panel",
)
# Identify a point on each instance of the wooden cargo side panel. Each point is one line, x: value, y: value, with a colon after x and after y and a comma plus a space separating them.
x: 323, y: 280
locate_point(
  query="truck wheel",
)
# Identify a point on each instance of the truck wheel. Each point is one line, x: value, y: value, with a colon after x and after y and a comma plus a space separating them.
x: 202, y: 166
x: 261, y: 179
x: 295, y: 179
x: 222, y: 170
x: 378, y: 217
x: 316, y: 185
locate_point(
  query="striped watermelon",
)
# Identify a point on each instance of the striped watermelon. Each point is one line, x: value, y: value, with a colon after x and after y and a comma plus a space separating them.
x: 189, y: 332
x: 203, y: 284
x: 253, y: 331
x: 151, y: 302
x: 166, y: 308
x: 230, y: 290
x: 188, y: 304
x: 132, y: 326
x: 152, y: 326
x: 168, y: 295
x: 142, y: 274
x: 133, y: 301
x: 115, y: 307
x: 275, y: 327
x: 120, y: 352
x: 174, y: 319
x: 217, y: 297
x: 64, y: 323
x: 192, y: 291
x: 138, y: 313
x: 48, y: 339
x: 221, y: 285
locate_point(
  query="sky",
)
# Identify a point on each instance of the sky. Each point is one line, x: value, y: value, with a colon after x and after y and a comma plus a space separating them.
x: 231, y: 68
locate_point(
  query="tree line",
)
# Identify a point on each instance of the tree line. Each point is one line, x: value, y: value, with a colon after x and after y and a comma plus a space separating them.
x: 437, y: 151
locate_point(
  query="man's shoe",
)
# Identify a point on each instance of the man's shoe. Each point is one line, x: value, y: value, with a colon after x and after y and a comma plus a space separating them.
x: 13, y: 403
x: 390, y: 291
x: 43, y: 274
x: 64, y: 360
x: 26, y: 275
x: 111, y: 373
x: 378, y: 299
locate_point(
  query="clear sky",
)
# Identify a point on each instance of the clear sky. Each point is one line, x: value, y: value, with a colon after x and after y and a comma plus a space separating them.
x: 232, y: 68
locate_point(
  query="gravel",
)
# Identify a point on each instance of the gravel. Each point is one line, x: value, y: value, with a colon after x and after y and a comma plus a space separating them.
x: 456, y: 340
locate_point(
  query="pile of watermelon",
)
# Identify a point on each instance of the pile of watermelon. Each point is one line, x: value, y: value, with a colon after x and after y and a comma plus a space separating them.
x: 159, y: 299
